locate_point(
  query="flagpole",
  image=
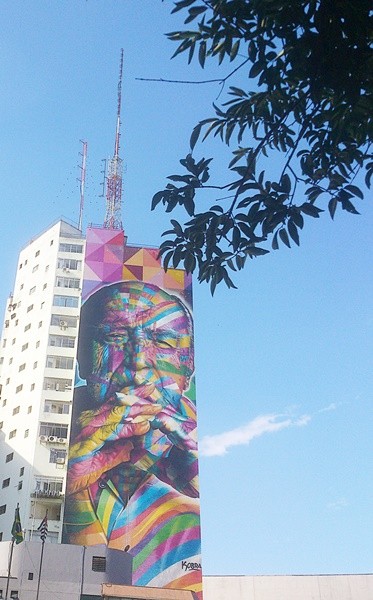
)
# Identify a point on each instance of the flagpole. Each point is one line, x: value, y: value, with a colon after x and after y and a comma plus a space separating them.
x: 9, y: 569
x: 40, y: 567
x: 43, y: 528
x: 17, y: 537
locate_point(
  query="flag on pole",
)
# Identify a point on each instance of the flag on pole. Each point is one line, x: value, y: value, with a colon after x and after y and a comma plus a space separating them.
x: 43, y: 528
x: 17, y: 534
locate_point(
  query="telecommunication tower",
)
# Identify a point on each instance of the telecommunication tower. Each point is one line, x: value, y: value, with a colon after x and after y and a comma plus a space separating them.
x: 113, y: 219
x: 82, y: 182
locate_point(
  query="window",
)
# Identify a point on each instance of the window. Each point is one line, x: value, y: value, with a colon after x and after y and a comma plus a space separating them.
x: 27, y: 327
x: 9, y: 457
x: 22, y: 367
x: 32, y: 387
x: 51, y: 244
x: 11, y: 360
x: 37, y: 344
x: 20, y: 266
x: 67, y: 301
x: 21, y: 471
x: 64, y: 321
x: 21, y: 288
x: 59, y: 408
x: 37, y: 253
x: 35, y: 364
x: 69, y: 264
x: 29, y: 308
x: 32, y: 290
x: 58, y: 385
x: 35, y: 268
x: 40, y: 324
x: 24, y: 347
x: 4, y: 342
x: 6, y: 482
x: 14, y: 593
x: 1, y: 424
x: 13, y: 316
x: 13, y: 434
x: 60, y: 362
x: 68, y: 282
x: 14, y: 340
x: 57, y: 456
x: 26, y: 434
x: 47, y: 268
x: 45, y: 486
x: 19, y: 388
x: 16, y: 410
x: 4, y: 402
x: 99, y: 564
x: 26, y: 262
x: 7, y: 381
x: 71, y: 248
x: 2, y: 509
x: 42, y: 305
x: 61, y: 341
x: 1, y: 539
x: 55, y: 429
x: 30, y: 576
x: 44, y: 286
x: 19, y: 486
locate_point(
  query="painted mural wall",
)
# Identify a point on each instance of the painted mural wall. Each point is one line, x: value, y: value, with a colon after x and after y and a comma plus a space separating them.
x: 132, y: 479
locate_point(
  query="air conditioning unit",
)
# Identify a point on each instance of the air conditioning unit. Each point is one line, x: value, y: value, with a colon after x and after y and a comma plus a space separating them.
x: 52, y: 438
x: 62, y: 440
x: 43, y: 438
x: 60, y: 460
x: 63, y: 324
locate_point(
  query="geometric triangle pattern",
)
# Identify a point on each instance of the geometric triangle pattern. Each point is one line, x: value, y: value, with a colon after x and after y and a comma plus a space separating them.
x: 109, y: 259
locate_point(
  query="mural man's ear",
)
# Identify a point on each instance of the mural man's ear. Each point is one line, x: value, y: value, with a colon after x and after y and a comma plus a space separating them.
x: 85, y: 357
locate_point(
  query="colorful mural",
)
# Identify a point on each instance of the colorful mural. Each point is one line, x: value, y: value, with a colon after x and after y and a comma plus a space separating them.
x: 133, y: 471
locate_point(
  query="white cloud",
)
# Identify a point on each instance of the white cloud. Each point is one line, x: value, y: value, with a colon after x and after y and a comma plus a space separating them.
x: 218, y: 445
x: 338, y: 504
x: 331, y: 406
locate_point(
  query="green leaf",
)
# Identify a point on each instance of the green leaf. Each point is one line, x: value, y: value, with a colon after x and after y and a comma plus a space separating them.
x: 285, y: 183
x: 310, y: 210
x: 256, y: 69
x: 195, y: 135
x: 293, y: 232
x: 284, y: 237
x: 202, y: 54
x: 355, y: 191
x: 332, y: 206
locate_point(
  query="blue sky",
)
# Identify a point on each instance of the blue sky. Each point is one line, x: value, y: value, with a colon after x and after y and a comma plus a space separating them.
x: 284, y: 373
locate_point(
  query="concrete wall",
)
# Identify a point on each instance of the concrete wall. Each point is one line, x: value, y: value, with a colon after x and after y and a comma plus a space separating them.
x: 289, y: 587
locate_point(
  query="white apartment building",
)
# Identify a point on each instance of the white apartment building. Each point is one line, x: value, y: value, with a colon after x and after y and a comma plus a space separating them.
x: 37, y: 356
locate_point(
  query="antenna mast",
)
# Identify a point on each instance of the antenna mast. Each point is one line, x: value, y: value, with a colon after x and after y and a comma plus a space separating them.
x: 82, y: 182
x: 113, y: 218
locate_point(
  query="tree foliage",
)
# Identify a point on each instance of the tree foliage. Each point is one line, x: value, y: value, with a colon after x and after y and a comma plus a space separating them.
x: 308, y: 98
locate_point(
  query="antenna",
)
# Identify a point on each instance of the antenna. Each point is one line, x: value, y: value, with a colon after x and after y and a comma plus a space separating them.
x: 115, y: 170
x: 82, y: 181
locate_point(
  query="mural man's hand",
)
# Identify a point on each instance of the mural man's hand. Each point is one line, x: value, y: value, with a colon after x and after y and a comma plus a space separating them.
x: 179, y: 429
x: 105, y: 438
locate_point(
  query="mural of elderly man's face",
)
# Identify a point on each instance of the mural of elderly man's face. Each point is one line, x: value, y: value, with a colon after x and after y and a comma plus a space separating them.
x: 140, y: 344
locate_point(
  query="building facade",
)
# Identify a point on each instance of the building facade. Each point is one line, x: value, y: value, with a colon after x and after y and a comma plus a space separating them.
x: 38, y: 348
x: 97, y: 410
